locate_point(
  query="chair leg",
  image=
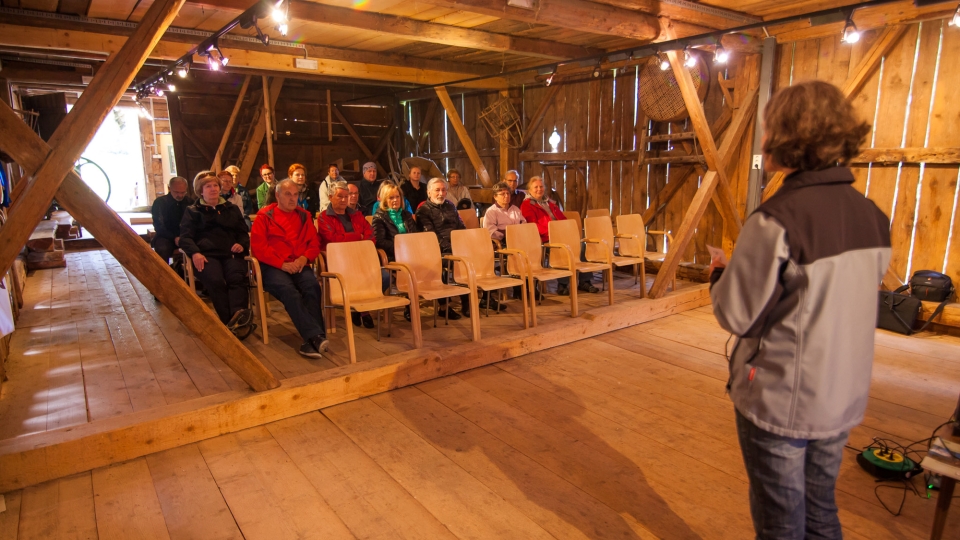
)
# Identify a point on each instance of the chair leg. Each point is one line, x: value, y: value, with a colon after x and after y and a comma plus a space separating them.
x: 643, y: 280
x: 574, y: 311
x: 388, y: 321
x: 434, y: 313
x: 263, y: 317
x: 378, y: 324
x: 415, y: 324
x: 523, y: 297
x: 610, y: 287
x: 474, y: 314
x: 529, y: 296
x: 350, y: 343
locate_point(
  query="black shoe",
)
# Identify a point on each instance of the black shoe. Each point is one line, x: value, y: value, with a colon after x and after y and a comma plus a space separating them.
x: 406, y: 313
x: 562, y: 290
x: 355, y: 317
x: 451, y: 315
x: 234, y: 321
x: 320, y: 343
x: 367, y: 320
x: 242, y: 332
x: 308, y: 350
x: 465, y: 309
x: 587, y: 287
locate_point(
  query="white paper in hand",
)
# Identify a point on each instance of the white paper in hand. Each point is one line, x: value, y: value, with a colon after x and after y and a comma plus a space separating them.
x: 717, y: 254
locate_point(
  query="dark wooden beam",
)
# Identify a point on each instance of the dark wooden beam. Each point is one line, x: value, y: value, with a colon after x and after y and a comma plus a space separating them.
x: 356, y: 138
x: 537, y: 117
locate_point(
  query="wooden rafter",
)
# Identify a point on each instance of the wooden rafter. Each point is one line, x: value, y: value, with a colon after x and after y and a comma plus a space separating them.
x: 268, y: 125
x: 356, y: 138
x: 867, y: 66
x: 197, y: 143
x: 465, y: 139
x: 581, y: 15
x: 256, y: 135
x: 708, y: 185
x: 728, y: 207
x: 427, y: 124
x: 233, y: 118
x: 26, y: 147
x: 538, y: 116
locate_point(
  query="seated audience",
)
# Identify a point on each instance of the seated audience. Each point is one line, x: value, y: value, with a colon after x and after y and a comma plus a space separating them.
x: 269, y: 177
x: 214, y: 235
x: 167, y: 212
x: 227, y: 190
x: 333, y: 176
x: 440, y: 216
x: 353, y: 197
x: 501, y: 213
x: 284, y: 240
x: 406, y: 203
x: 538, y: 208
x: 390, y: 220
x: 307, y: 197
x: 369, y: 187
x: 458, y: 193
x: 512, y: 178
x: 249, y: 204
x: 338, y: 223
x: 414, y: 191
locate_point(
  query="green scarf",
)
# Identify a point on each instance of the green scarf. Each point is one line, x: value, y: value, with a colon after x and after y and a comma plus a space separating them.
x: 396, y: 216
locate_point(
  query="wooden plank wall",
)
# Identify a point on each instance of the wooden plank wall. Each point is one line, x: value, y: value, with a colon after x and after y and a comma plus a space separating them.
x: 908, y: 103
x: 595, y: 115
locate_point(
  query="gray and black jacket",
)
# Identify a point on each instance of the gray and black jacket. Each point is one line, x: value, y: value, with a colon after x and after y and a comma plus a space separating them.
x: 800, y: 293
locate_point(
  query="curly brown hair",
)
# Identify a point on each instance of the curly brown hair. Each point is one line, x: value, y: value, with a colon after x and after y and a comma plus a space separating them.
x: 811, y: 126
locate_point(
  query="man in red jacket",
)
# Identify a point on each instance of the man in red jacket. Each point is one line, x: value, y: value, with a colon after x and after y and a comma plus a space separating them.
x: 284, y: 240
x: 340, y: 223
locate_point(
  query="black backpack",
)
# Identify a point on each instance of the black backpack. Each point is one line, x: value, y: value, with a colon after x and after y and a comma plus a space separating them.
x: 898, y: 312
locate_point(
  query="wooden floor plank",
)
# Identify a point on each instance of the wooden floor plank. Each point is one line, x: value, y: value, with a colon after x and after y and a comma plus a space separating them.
x: 138, y: 377
x: 370, y: 502
x: 61, y: 509
x: 561, y: 508
x: 126, y: 503
x: 193, y: 507
x: 103, y: 379
x: 66, y: 404
x: 463, y: 504
x: 266, y: 492
x: 23, y: 401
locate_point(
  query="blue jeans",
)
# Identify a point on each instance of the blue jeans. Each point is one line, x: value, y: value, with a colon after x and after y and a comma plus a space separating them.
x: 792, y: 483
x: 300, y: 295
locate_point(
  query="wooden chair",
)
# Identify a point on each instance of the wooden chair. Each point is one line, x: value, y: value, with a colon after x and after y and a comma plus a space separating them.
x: 526, y: 239
x: 469, y: 218
x: 565, y: 233
x: 598, y: 212
x: 352, y: 282
x: 329, y: 312
x: 633, y: 243
x: 369, y: 219
x: 600, y: 228
x: 255, y: 283
x: 473, y: 246
x: 575, y: 216
x: 421, y: 253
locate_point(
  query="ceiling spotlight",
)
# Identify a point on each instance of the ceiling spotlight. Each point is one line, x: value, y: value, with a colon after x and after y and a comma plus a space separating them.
x: 850, y: 32
x: 183, y: 69
x: 664, y: 62
x: 689, y: 60
x: 171, y: 87
x: 158, y: 91
x: 265, y: 39
x: 143, y: 112
x: 955, y: 20
x: 596, y: 72
x: 283, y: 28
x: 720, y: 56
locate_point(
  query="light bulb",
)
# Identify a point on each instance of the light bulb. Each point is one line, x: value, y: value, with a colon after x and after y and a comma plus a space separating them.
x: 171, y: 87
x: 721, y: 55
x: 689, y: 60
x: 182, y: 71
x: 664, y: 64
x: 955, y: 20
x: 282, y: 28
x: 279, y: 15
x: 554, y: 140
x: 850, y: 33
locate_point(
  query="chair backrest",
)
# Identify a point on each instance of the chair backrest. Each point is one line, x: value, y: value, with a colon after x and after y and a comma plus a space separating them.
x: 369, y: 219
x: 575, y: 216
x: 564, y: 232
x: 359, y: 265
x: 632, y: 224
x: 473, y: 245
x: 421, y: 252
x: 526, y: 238
x: 598, y: 212
x: 601, y: 229
x: 469, y: 218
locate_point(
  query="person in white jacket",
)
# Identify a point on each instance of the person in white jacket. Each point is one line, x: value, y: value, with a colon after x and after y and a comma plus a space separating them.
x: 333, y: 176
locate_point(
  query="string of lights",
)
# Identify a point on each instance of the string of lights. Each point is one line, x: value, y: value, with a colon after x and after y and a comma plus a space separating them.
x: 209, y: 49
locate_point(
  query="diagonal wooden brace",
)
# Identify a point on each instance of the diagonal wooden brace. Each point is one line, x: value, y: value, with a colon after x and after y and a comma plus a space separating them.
x: 78, y: 128
x: 133, y: 253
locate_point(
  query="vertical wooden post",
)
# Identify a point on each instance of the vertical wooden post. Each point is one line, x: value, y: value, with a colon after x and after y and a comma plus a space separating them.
x: 504, y: 144
x: 233, y: 118
x: 268, y: 119
x: 465, y: 139
x: 329, y: 117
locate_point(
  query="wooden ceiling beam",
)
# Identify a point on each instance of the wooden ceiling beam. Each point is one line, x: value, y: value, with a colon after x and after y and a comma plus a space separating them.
x: 270, y: 62
x: 416, y: 30
x: 579, y: 15
x: 465, y: 139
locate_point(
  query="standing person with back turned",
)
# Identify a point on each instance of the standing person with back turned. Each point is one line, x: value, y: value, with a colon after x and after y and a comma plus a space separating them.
x: 800, y: 294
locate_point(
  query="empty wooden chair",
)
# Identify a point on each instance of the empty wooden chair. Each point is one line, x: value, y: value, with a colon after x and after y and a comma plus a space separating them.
x: 421, y: 253
x: 257, y: 296
x: 352, y: 282
x: 598, y: 212
x: 575, y: 216
x: 600, y: 228
x: 526, y: 239
x: 633, y: 243
x: 565, y: 233
x: 469, y: 218
x: 473, y: 246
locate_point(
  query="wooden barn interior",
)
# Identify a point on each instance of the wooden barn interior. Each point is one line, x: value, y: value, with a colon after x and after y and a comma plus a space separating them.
x: 128, y: 411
